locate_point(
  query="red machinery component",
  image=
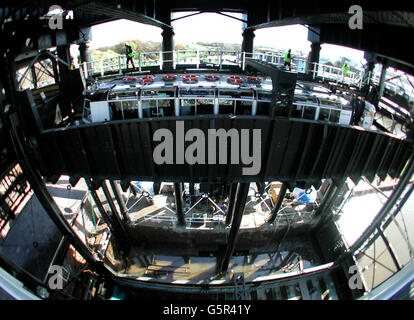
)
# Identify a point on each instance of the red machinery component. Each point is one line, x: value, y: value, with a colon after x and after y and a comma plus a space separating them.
x: 129, y: 79
x: 234, y: 79
x: 169, y: 77
x: 211, y: 77
x: 190, y: 78
x: 146, y: 79
x: 254, y: 79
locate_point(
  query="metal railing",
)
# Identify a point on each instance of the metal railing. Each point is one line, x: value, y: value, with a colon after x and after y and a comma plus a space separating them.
x: 320, y: 70
x: 219, y: 58
x: 298, y: 64
x: 327, y: 72
x: 215, y: 58
x: 190, y: 221
x: 203, y: 221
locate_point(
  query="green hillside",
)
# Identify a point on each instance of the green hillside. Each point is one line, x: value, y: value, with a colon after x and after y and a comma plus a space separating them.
x: 151, y: 46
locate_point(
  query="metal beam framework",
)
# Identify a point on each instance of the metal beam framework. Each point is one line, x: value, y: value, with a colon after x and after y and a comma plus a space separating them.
x: 237, y: 213
x: 187, y: 16
x: 179, y: 203
x: 232, y: 197
x: 261, y: 14
x: 93, y: 189
x: 46, y: 199
x: 119, y: 199
x: 278, y: 203
x: 107, y: 9
x: 331, y: 151
x: 291, y: 151
x: 115, y: 215
x: 367, y: 236
x: 324, y: 211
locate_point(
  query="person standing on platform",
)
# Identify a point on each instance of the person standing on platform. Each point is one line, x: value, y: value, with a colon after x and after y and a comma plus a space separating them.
x: 288, y: 59
x: 358, y: 109
x: 345, y: 69
x: 129, y: 55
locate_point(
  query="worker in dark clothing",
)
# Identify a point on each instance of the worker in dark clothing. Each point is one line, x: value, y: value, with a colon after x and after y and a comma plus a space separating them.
x: 288, y: 59
x: 358, y: 109
x: 129, y: 55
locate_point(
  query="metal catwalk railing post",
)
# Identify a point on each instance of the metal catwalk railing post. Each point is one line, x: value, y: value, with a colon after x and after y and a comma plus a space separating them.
x: 160, y: 59
x: 139, y: 61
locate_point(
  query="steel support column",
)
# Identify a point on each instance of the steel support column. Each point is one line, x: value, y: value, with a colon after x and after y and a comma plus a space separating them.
x: 119, y: 199
x: 324, y: 210
x: 382, y: 79
x: 278, y: 203
x: 55, y: 70
x: 192, y: 192
x: 93, y: 189
x: 34, y: 77
x: 63, y: 53
x: 178, y: 192
x: 260, y: 187
x: 241, y: 197
x: 247, y: 43
x: 313, y: 57
x: 61, y: 251
x: 369, y: 68
x: 232, y: 198
x: 167, y: 48
x: 157, y: 187
x: 115, y: 215
x: 84, y: 54
x: 133, y: 190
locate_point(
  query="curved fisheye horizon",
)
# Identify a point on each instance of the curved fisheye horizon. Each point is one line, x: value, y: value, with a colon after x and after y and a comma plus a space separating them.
x: 176, y: 151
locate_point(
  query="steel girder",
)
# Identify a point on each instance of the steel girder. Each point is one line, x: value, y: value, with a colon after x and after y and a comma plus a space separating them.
x: 291, y: 151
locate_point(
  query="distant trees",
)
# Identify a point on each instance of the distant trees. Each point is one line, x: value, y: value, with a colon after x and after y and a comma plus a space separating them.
x: 151, y: 46
x: 136, y: 45
x: 340, y: 62
x: 220, y: 46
